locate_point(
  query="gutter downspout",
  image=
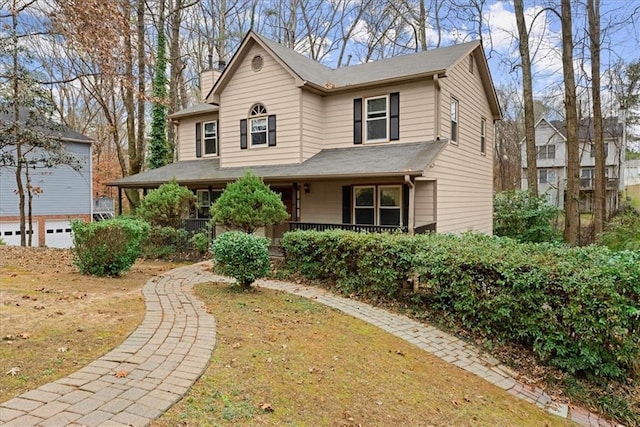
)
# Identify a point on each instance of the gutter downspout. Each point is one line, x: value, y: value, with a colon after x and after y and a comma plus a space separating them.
x: 412, y: 202
x: 436, y: 118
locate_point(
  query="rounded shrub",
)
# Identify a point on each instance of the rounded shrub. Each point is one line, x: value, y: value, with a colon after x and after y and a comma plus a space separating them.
x: 108, y: 248
x: 245, y: 257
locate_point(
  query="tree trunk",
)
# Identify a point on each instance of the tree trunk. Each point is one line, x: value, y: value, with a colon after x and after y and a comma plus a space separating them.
x: 175, y: 65
x: 572, y: 198
x: 16, y: 120
x: 600, y: 190
x: 527, y: 94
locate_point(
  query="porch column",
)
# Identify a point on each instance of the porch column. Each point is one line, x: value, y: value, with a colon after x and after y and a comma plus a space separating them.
x: 119, y: 201
x: 412, y: 202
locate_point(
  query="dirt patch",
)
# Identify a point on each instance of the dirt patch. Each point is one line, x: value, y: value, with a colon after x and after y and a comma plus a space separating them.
x: 54, y: 320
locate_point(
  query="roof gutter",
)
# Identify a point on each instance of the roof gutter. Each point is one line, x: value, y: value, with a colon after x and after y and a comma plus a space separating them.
x: 331, y: 88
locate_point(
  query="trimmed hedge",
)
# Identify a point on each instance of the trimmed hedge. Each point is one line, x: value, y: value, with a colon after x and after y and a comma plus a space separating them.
x: 577, y: 308
x: 107, y: 248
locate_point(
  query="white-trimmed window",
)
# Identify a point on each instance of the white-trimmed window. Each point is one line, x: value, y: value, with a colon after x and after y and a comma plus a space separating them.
x: 546, y: 176
x: 546, y: 152
x: 377, y: 117
x: 390, y: 205
x: 606, y: 150
x: 454, y: 120
x: 377, y: 205
x: 483, y: 135
x: 364, y: 205
x: 205, y: 199
x: 210, y: 138
x: 258, y: 125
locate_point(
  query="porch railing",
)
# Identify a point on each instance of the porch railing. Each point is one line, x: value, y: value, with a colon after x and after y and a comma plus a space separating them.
x: 196, y: 225
x: 293, y: 225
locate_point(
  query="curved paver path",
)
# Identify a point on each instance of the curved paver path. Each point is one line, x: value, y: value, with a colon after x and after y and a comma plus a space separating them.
x: 173, y: 346
x: 162, y: 358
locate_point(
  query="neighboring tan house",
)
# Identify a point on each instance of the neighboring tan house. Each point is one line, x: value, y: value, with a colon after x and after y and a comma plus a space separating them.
x: 551, y: 161
x: 63, y: 194
x: 403, y: 142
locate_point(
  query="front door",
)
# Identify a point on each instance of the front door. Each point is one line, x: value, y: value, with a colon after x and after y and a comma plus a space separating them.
x: 276, y: 231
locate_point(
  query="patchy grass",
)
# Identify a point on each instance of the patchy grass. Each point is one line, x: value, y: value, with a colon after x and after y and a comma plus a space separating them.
x: 633, y: 192
x: 284, y: 360
x: 53, y: 320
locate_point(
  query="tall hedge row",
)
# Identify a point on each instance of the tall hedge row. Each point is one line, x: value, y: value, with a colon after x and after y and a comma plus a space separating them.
x: 577, y: 308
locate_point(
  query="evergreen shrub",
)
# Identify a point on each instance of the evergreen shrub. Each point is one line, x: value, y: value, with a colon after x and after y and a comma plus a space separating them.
x: 107, y: 248
x: 245, y: 257
x: 576, y: 308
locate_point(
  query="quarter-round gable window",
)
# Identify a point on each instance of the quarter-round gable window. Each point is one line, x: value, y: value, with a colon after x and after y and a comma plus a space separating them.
x: 257, y: 62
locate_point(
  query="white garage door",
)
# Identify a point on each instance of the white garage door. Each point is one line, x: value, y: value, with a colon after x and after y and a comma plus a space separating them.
x: 57, y: 234
x: 10, y: 233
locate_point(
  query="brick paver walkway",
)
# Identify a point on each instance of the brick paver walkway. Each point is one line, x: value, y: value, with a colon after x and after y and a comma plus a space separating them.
x: 444, y: 346
x: 173, y: 346
x: 135, y: 383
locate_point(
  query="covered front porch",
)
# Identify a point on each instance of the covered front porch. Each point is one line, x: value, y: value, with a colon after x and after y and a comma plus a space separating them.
x: 374, y: 189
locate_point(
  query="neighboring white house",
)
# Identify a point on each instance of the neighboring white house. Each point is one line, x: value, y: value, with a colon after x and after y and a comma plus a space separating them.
x: 631, y: 172
x: 63, y: 194
x: 551, y: 161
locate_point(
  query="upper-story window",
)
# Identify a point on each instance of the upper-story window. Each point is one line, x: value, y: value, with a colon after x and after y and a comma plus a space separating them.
x: 377, y: 119
x: 210, y: 138
x: 381, y: 117
x: 454, y: 120
x: 546, y: 152
x: 207, y: 139
x: 483, y: 135
x: 606, y: 150
x: 260, y: 130
x: 546, y: 176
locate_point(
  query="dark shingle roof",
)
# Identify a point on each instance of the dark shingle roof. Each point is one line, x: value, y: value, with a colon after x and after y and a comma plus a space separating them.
x: 193, y: 110
x: 612, y: 128
x: 62, y: 132
x: 404, y: 66
x: 393, y: 159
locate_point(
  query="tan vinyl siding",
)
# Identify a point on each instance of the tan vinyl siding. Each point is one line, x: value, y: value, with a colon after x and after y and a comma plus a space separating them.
x: 425, y: 202
x: 187, y: 135
x: 416, y: 112
x: 275, y: 88
x: 312, y: 124
x: 323, y: 203
x: 464, y: 175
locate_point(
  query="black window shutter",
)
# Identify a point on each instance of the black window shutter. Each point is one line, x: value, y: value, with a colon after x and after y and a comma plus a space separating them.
x: 394, y: 100
x: 198, y: 139
x: 357, y: 121
x: 271, y: 120
x: 243, y: 134
x: 346, y: 204
x: 405, y: 205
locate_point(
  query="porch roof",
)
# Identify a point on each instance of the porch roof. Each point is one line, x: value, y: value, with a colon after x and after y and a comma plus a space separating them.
x: 392, y: 159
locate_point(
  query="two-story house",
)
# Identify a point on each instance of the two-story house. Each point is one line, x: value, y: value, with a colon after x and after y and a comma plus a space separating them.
x: 551, y: 161
x: 403, y: 142
x: 61, y: 193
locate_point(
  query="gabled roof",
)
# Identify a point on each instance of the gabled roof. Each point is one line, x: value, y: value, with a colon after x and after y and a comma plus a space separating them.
x: 307, y: 72
x: 363, y: 161
x: 612, y: 128
x: 63, y: 133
